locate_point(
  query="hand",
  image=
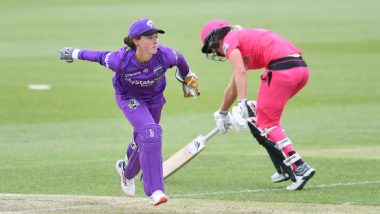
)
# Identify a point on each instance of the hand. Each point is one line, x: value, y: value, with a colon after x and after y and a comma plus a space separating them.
x: 66, y: 54
x: 189, y: 91
x: 191, y: 83
x: 223, y: 121
x: 240, y: 115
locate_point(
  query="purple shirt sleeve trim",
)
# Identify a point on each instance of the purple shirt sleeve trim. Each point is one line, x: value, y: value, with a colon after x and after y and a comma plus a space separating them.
x: 182, y: 65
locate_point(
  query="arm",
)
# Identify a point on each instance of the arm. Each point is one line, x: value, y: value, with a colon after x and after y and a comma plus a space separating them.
x: 69, y: 54
x: 94, y: 56
x: 185, y: 76
x: 236, y: 88
x: 241, y: 80
x: 229, y: 95
x: 180, y: 62
x: 222, y: 116
x: 239, y: 112
x: 238, y: 83
x: 105, y: 58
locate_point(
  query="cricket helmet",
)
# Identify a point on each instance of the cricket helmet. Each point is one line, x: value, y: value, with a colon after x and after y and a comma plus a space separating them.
x: 212, y: 26
x: 211, y: 34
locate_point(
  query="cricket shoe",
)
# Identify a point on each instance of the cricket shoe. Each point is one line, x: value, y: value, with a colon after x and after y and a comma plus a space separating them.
x: 279, y: 177
x: 158, y: 197
x: 303, y: 173
x: 128, y: 186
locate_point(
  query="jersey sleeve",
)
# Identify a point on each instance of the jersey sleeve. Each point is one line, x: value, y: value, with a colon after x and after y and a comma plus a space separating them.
x: 110, y: 60
x: 174, y: 58
x: 230, y: 42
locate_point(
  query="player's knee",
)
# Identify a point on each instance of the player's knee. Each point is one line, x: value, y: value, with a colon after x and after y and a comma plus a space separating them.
x: 150, y: 136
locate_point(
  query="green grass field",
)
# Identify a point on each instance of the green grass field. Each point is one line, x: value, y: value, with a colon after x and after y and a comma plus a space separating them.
x: 65, y: 141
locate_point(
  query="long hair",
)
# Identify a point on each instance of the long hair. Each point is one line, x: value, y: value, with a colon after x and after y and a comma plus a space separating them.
x: 129, y: 41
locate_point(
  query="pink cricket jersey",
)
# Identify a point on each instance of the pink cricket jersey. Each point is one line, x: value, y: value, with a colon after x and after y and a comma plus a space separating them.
x: 258, y: 46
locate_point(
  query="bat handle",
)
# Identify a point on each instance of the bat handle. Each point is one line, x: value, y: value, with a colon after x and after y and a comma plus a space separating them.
x: 211, y: 134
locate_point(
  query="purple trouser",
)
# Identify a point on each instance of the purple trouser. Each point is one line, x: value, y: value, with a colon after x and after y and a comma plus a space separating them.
x: 144, y: 151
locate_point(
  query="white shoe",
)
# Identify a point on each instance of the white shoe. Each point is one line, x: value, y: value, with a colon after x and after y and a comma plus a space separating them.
x: 128, y: 186
x: 303, y: 173
x: 158, y: 197
x: 279, y: 177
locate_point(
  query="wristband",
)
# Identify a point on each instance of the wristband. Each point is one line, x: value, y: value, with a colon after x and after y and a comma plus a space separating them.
x: 75, y: 53
x: 224, y: 113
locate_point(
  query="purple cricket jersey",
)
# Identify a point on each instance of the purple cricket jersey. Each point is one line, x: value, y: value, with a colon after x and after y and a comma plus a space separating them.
x: 133, y: 79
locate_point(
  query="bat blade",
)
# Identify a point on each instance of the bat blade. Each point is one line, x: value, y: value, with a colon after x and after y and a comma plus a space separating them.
x: 183, y: 156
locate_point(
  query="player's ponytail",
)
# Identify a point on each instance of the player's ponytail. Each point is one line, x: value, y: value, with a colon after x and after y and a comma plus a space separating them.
x: 129, y: 41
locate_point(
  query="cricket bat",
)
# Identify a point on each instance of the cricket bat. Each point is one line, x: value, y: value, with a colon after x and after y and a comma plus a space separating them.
x: 183, y: 156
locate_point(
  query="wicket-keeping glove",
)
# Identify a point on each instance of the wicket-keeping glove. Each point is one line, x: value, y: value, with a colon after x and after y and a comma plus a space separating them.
x: 240, y: 115
x: 223, y: 121
x: 66, y: 54
x: 189, y: 84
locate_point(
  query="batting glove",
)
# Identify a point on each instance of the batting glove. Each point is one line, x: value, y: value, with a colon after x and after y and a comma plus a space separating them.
x: 223, y: 121
x: 240, y: 115
x: 66, y: 54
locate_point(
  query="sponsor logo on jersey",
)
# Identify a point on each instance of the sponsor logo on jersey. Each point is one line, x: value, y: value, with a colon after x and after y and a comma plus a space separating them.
x: 151, y: 133
x: 141, y: 83
x: 157, y: 70
x: 133, y: 103
x: 132, y: 74
x: 225, y: 47
x: 132, y: 78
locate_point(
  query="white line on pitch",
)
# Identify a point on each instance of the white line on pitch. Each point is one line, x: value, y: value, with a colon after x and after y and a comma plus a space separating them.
x: 273, y: 190
x: 139, y: 200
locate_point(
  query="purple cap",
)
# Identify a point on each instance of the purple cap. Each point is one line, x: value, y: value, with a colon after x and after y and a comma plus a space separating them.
x: 143, y: 27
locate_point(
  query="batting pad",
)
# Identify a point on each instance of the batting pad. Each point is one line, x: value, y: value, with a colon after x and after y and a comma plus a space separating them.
x: 133, y: 167
x: 150, y: 142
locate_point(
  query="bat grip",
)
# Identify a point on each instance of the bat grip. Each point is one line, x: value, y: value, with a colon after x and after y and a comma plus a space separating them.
x: 211, y: 134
